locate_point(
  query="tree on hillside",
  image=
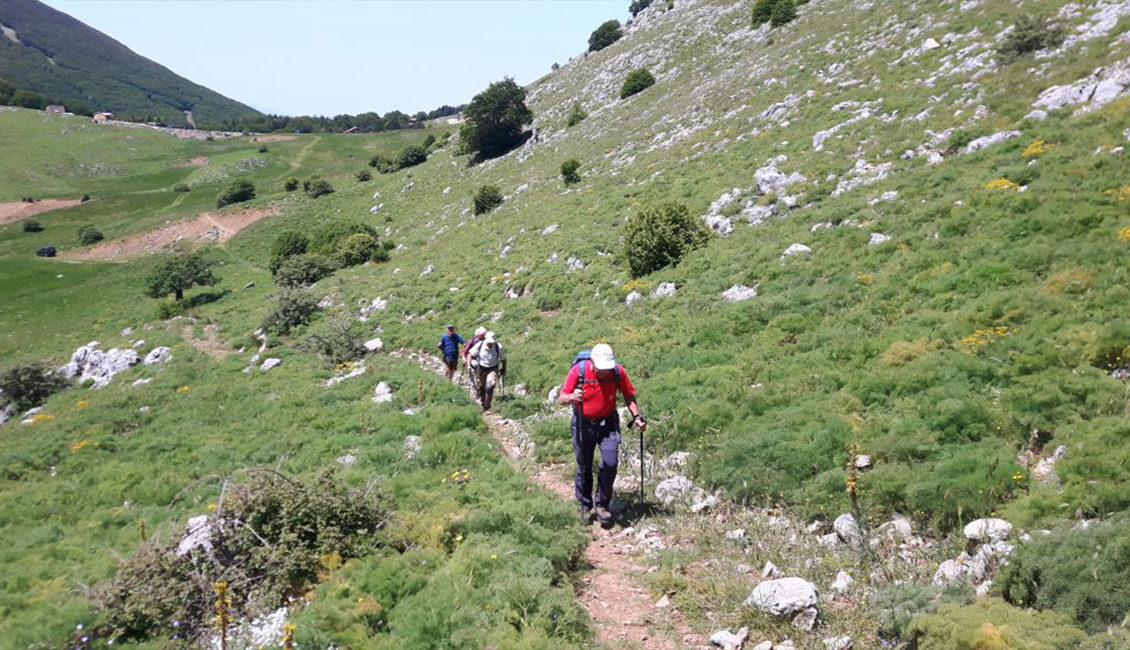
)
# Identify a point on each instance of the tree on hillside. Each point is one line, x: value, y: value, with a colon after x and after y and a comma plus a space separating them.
x: 762, y: 12
x: 661, y: 235
x: 638, y: 6
x: 237, y: 192
x: 495, y: 120
x: 28, y: 385
x: 27, y: 99
x: 784, y: 11
x: 605, y: 35
x: 178, y: 273
x: 636, y: 82
x: 411, y: 156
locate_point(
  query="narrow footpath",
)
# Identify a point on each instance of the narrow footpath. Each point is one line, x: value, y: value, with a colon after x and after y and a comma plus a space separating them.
x: 623, y: 613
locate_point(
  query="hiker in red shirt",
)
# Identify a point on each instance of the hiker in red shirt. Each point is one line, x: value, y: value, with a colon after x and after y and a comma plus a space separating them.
x: 591, y: 388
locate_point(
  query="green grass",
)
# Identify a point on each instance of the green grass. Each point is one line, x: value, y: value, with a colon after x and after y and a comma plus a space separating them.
x: 852, y: 344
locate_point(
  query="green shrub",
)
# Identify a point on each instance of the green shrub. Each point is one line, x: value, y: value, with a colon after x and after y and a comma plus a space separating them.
x: 1083, y: 573
x: 88, y: 235
x: 288, y: 528
x: 167, y: 309
x: 576, y: 115
x: 428, y: 141
x: 382, y: 164
x: 31, y: 225
x: 411, y: 156
x: 637, y: 81
x: 784, y: 11
x: 303, y: 270
x: 328, y: 237
x: 237, y: 192
x: 291, y: 184
x: 638, y: 6
x: 178, y: 273
x: 608, y: 33
x: 660, y: 235
x: 958, y: 139
x: 262, y: 148
x: 495, y: 118
x: 287, y: 244
x: 762, y: 12
x: 896, y: 605
x: 358, y: 249
x: 181, y: 187
x: 339, y: 340
x: 992, y: 624
x: 317, y: 187
x: 1031, y: 33
x: 28, y: 385
x: 487, y: 198
x: 85, y: 198
x: 569, y: 171
x: 293, y: 307
x: 364, y: 175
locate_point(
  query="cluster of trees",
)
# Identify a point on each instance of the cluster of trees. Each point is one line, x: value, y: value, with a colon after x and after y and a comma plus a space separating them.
x: 608, y: 33
x: 774, y: 12
x: 496, y: 120
x: 11, y: 96
x: 370, y: 122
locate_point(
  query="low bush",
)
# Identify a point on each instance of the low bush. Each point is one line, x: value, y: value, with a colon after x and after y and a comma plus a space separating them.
x: 339, y: 340
x: 88, y: 235
x: 358, y: 249
x: 31, y: 225
x: 237, y: 192
x: 268, y: 540
x: 569, y: 171
x: 317, y: 187
x: 1030, y: 34
x: 28, y: 385
x: 181, y: 187
x: 411, y: 156
x: 638, y: 6
x: 487, y: 198
x: 167, y: 309
x: 291, y: 184
x: 287, y: 244
x: 1083, y: 573
x: 576, y: 115
x: 364, y: 175
x: 263, y: 148
x: 294, y: 306
x: 303, y: 270
x: 382, y: 164
x: 660, y: 235
x: 45, y: 251
x: 784, y: 11
x: 895, y: 606
x: 428, y: 141
x: 637, y: 81
x: 329, y: 236
x: 992, y: 624
x: 85, y: 198
x: 608, y: 33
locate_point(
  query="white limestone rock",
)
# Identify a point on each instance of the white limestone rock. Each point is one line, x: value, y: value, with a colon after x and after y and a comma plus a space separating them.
x: 382, y: 393
x: 728, y: 640
x: 158, y: 355
x: 739, y: 292
x: 987, y: 530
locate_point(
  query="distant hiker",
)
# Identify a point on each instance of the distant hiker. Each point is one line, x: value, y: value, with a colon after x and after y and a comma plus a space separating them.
x: 469, y: 363
x: 591, y: 388
x: 449, y: 343
x: 491, y: 359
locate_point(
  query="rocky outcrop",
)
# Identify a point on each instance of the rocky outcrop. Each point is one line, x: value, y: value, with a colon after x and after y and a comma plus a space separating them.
x: 89, y: 364
x: 793, y: 598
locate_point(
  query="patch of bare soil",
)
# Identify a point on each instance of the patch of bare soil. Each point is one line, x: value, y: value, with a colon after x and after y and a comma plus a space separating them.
x: 274, y: 138
x: 624, y: 614
x: 207, y: 228
x: 16, y: 210
x: 198, y: 161
x: 210, y: 344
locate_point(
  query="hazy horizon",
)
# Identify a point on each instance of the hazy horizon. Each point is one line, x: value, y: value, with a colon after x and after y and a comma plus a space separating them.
x: 355, y: 55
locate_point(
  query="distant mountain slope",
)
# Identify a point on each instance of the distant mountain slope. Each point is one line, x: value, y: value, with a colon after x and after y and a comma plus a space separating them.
x: 53, y: 54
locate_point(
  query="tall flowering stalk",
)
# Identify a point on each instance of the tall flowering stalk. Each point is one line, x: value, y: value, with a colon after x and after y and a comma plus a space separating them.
x: 223, y: 613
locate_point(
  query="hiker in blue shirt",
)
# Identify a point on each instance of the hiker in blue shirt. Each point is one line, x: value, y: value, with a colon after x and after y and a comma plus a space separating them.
x: 450, y: 343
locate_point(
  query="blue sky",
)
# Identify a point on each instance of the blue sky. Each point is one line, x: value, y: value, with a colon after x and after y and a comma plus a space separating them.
x: 324, y: 57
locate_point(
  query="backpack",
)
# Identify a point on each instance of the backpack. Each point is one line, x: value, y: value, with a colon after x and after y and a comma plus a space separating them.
x: 582, y: 359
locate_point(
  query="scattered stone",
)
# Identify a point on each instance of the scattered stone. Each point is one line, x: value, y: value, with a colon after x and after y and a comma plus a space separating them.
x: 374, y: 345
x: 378, y: 304
x: 770, y: 570
x: 88, y: 363
x: 930, y: 44
x: 142, y: 382
x: 680, y: 490
x: 787, y: 597
x: 574, y: 263
x: 764, y: 645
x: 664, y: 290
x: 862, y: 461
x: 739, y: 292
x: 730, y: 640
x: 796, y: 249
x: 125, y: 332
x: 412, y: 446
x: 769, y: 179
x: 347, y: 460
x: 839, y: 642
x: 737, y: 534
x: 1037, y: 115
x: 848, y: 530
x: 989, y: 140
x: 197, y: 534
x: 897, y: 529
x: 270, y: 364
x: 757, y: 214
x: 863, y: 173
x: 1101, y: 87
x: 158, y: 355
x: 878, y: 238
x: 383, y: 393
x: 551, y: 397
x: 1044, y: 470
x: 987, y: 530
x: 722, y: 226
x: 633, y: 298
x: 427, y: 269
x: 663, y: 602
x: 806, y: 620
x: 143, y: 409
x: 249, y: 285
x: 549, y: 230
x: 356, y: 371
x: 843, y: 582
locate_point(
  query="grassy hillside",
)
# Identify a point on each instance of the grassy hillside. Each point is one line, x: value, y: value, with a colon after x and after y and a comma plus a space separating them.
x: 50, y: 53
x: 989, y: 311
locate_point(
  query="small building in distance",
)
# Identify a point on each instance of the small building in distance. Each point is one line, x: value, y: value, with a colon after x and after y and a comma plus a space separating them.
x: 352, y: 129
x: 103, y: 117
x: 58, y: 109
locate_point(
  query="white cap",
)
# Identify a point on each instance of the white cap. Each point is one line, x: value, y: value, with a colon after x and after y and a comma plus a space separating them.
x: 480, y: 330
x: 602, y: 358
x: 489, y: 338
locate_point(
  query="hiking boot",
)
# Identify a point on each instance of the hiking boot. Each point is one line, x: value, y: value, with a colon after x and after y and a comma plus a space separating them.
x: 586, y: 516
x: 603, y: 516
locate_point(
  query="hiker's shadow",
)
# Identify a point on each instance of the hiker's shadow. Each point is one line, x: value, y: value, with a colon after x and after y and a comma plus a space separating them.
x: 631, y: 510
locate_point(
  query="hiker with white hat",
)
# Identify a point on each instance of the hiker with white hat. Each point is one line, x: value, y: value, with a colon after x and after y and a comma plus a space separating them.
x: 471, y: 364
x: 491, y: 359
x: 591, y: 387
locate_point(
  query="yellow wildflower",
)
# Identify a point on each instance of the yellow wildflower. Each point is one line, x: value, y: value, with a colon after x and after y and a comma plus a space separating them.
x: 184, y: 389
x: 1036, y: 148
x: 212, y: 507
x: 79, y: 446
x: 1124, y: 234
x: 459, y: 537
x: 864, y: 278
x: 82, y: 403
x: 42, y: 417
x: 1002, y: 184
x: 1119, y: 193
x: 494, y: 556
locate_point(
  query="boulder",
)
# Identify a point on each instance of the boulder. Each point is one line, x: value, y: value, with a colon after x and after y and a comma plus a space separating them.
x: 930, y: 44
x: 757, y: 214
x: 722, y: 226
x: 739, y: 292
x: 898, y: 529
x: 158, y: 355
x: 664, y: 290
x: 728, y: 640
x: 783, y: 596
x: 88, y: 363
x: 839, y: 642
x: 633, y: 298
x: 878, y: 238
x: 270, y: 364
x: 989, y: 140
x: 383, y: 393
x: 987, y: 530
x: 680, y: 490
x: 843, y: 582
x: 374, y: 345
x: 412, y: 446
x: 770, y: 179
x: 848, y: 530
x: 197, y: 535
x: 796, y: 249
x: 551, y: 397
x: 549, y: 230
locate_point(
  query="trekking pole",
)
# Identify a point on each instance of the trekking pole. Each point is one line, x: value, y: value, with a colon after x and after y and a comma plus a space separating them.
x: 631, y: 425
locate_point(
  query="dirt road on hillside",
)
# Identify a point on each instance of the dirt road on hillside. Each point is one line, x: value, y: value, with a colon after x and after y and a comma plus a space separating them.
x: 16, y: 210
x: 624, y: 614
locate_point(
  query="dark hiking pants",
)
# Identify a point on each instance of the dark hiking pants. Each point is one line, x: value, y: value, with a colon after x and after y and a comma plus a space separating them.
x: 588, y: 435
x: 485, y: 394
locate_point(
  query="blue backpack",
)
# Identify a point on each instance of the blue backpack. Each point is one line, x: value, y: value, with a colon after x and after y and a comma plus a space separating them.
x: 581, y: 361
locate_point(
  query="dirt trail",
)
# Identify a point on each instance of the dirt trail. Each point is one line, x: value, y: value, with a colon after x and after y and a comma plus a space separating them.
x: 624, y: 613
x: 206, y: 228
x: 16, y: 210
